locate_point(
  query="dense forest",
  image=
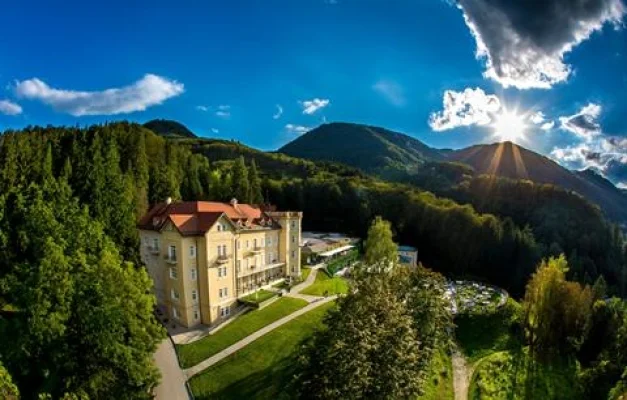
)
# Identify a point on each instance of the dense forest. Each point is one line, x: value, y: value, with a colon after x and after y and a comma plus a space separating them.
x: 71, y: 198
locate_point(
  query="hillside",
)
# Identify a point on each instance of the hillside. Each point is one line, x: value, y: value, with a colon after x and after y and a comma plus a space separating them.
x: 512, y: 161
x: 169, y: 128
x: 372, y: 149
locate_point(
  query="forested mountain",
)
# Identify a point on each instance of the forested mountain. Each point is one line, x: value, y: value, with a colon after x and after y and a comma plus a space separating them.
x: 512, y: 161
x: 169, y: 128
x: 372, y: 149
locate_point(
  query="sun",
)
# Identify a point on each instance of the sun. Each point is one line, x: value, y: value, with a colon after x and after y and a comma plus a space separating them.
x: 509, y: 126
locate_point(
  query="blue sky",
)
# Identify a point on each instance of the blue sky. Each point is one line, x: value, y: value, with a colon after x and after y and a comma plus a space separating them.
x: 226, y: 68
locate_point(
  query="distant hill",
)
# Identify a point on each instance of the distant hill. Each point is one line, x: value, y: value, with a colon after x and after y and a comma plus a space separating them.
x: 372, y: 149
x: 512, y: 161
x: 169, y: 128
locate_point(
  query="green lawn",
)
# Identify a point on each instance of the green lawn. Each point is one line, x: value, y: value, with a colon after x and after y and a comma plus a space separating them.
x: 439, y: 383
x: 259, y: 296
x: 481, y: 334
x: 263, y: 369
x: 513, y: 375
x: 193, y: 353
x: 324, y: 283
x: 304, y: 273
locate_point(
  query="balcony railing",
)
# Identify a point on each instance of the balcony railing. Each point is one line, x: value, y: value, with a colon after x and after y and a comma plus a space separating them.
x: 170, y: 259
x: 222, y: 259
x: 256, y: 250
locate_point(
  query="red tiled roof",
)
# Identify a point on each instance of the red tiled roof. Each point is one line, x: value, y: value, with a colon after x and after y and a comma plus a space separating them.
x: 197, y: 217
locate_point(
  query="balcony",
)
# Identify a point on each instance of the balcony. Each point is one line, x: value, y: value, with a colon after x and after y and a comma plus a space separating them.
x: 222, y: 259
x: 170, y: 259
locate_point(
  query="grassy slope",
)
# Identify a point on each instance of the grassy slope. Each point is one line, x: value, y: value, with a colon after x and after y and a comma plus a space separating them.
x: 513, y: 375
x: 480, y: 335
x: 193, y: 353
x: 503, y: 369
x: 439, y: 383
x: 304, y: 273
x: 259, y: 296
x: 324, y: 283
x: 263, y: 369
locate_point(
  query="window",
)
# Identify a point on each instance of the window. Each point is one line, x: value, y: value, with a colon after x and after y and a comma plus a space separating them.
x: 247, y: 244
x: 220, y: 293
x: 194, y: 295
x: 226, y: 292
x: 192, y: 251
x: 175, y: 313
x: 173, y: 273
x: 269, y: 241
x: 293, y: 239
x: 221, y: 272
x: 293, y: 224
x: 174, y: 294
x: 194, y: 276
x: 172, y: 252
x: 219, y: 227
x: 225, y: 311
x: 239, y: 245
x: 224, y: 250
x: 293, y: 254
x: 196, y: 316
x: 155, y: 243
x: 255, y: 243
x: 239, y: 265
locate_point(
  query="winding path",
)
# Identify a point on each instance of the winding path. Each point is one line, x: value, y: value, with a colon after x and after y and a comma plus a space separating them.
x: 462, y: 373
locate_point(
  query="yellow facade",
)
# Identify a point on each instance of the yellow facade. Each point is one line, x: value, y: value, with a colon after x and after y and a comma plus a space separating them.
x: 198, y: 279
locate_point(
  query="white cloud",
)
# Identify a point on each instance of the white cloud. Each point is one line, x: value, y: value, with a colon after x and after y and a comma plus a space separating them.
x: 215, y: 130
x: 524, y: 43
x: 202, y: 108
x: 9, y: 108
x: 313, y: 105
x: 547, y: 126
x: 223, y: 111
x: 149, y: 91
x: 470, y: 107
x: 585, y: 123
x: 279, y: 112
x: 622, y: 185
x: 537, y: 117
x: 297, y: 129
x: 392, y: 91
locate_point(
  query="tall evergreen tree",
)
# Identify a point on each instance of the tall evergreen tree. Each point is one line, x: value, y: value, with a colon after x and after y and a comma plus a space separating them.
x: 256, y: 196
x: 240, y: 180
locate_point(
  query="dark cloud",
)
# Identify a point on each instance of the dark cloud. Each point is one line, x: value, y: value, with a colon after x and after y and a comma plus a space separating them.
x: 524, y: 42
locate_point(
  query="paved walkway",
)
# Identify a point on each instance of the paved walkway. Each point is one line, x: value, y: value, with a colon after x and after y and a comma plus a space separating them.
x: 295, y: 291
x: 172, y: 386
x: 251, y: 338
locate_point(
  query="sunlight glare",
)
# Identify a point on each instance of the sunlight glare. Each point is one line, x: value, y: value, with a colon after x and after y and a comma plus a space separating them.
x: 509, y: 126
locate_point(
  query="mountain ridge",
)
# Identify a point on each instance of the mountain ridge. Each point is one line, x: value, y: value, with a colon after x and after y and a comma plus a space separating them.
x: 397, y: 156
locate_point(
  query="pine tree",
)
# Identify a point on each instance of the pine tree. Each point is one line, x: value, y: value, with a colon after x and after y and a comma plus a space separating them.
x: 256, y: 197
x: 240, y: 180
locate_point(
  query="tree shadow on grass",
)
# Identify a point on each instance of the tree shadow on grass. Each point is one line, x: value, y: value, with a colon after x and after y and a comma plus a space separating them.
x: 271, y: 383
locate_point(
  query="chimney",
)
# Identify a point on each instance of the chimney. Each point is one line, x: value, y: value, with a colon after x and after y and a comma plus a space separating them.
x: 234, y: 202
x: 168, y: 200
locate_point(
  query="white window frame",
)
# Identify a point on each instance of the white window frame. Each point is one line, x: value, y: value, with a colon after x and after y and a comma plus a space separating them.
x: 172, y: 252
x: 192, y: 251
x: 175, y: 313
x: 173, y: 273
x: 174, y: 295
x: 196, y: 315
x: 194, y: 295
x: 194, y: 274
